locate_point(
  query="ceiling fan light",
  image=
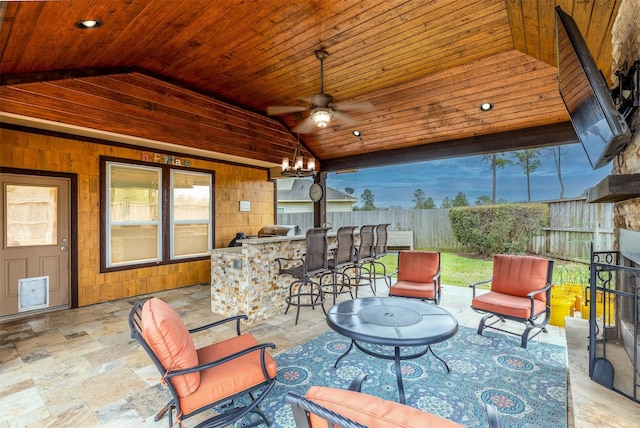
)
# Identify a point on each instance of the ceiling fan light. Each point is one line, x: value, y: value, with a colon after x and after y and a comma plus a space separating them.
x: 321, y: 116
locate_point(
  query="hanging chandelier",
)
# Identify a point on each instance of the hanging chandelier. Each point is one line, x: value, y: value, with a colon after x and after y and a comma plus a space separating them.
x: 296, y: 167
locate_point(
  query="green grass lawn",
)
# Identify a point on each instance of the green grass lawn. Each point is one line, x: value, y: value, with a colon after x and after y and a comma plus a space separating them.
x: 464, y: 269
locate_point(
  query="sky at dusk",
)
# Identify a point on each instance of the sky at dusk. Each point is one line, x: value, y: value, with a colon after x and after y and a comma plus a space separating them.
x: 394, y: 185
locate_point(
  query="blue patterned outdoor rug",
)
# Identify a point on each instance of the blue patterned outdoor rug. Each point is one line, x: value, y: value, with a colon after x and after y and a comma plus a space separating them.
x: 528, y: 386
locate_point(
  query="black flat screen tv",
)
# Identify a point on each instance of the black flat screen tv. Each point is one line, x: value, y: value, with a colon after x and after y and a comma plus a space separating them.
x: 601, y: 128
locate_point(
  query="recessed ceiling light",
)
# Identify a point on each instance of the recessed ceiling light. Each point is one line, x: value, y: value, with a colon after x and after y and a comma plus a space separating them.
x: 486, y: 106
x: 85, y: 24
x: 357, y: 133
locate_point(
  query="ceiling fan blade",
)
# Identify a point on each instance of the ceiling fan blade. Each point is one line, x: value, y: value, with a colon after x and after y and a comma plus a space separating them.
x: 354, y: 106
x: 277, y: 110
x: 344, y: 118
x: 307, y: 126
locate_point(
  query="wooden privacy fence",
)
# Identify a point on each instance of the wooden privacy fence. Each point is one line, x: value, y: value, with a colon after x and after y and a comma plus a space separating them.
x: 573, y: 225
x: 431, y: 228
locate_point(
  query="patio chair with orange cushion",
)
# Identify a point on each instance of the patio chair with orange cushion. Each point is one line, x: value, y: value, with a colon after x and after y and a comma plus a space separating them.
x: 520, y: 291
x: 324, y: 406
x: 230, y: 377
x: 418, y: 276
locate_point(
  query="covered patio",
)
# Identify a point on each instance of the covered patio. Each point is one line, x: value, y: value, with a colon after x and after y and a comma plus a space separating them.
x: 185, y: 86
x: 80, y: 367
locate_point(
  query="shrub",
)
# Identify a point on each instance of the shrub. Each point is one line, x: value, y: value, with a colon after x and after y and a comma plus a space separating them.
x: 495, y: 229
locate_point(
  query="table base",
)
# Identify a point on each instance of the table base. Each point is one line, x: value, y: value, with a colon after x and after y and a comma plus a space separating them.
x: 396, y: 357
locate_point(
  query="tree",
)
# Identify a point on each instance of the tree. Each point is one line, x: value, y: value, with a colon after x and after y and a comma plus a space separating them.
x: 367, y: 200
x: 495, y: 161
x: 484, y: 200
x: 556, y: 152
x: 418, y: 198
x: 460, y: 200
x: 429, y: 204
x: 529, y: 162
x: 446, y: 203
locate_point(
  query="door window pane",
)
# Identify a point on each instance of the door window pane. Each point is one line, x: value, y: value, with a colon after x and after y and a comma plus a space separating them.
x: 31, y: 215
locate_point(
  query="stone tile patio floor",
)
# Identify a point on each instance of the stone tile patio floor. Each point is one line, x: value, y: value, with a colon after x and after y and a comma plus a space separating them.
x: 80, y: 368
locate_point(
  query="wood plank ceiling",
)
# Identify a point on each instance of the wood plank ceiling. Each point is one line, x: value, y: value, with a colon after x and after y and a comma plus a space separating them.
x: 201, y: 73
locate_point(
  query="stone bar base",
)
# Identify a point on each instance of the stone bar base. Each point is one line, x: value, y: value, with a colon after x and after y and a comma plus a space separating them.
x: 245, y: 280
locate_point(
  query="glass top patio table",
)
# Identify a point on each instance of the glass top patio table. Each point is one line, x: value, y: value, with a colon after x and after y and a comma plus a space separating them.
x: 392, y: 321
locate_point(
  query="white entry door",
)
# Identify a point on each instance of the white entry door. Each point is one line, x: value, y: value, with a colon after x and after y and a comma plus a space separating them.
x: 35, y: 253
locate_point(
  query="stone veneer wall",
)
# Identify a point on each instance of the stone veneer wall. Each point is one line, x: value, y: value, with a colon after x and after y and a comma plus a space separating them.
x: 626, y: 47
x: 256, y: 289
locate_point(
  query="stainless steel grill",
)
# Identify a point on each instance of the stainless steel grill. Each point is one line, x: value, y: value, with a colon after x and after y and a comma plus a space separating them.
x: 277, y: 230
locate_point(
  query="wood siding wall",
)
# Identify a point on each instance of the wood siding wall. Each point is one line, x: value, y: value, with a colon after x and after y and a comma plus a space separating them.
x: 45, y: 153
x: 573, y: 225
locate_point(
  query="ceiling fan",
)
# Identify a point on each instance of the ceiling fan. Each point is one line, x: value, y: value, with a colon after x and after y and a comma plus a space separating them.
x: 321, y: 106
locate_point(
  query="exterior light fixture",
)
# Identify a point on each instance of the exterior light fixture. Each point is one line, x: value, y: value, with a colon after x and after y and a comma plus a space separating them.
x: 86, y: 24
x: 356, y: 133
x: 486, y: 106
x: 295, y: 167
x: 321, y: 116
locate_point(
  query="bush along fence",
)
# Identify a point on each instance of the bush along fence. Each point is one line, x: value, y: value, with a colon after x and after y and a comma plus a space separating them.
x: 572, y: 226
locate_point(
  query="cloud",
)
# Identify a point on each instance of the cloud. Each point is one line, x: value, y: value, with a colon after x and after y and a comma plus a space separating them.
x: 394, y: 185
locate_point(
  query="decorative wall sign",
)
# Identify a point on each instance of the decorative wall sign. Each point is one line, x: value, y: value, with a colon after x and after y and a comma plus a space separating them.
x: 165, y: 159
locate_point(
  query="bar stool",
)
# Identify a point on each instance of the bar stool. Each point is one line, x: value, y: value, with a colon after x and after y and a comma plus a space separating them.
x: 304, y: 291
x: 379, y: 251
x: 364, y: 256
x: 343, y: 258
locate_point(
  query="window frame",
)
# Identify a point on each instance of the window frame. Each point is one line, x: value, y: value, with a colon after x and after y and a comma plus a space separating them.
x: 165, y: 210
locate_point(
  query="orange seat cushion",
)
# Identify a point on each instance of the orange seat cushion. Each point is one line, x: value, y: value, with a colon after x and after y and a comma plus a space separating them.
x: 371, y: 411
x: 416, y: 270
x: 519, y: 275
x: 423, y: 290
x: 169, y: 339
x: 228, y: 378
x: 505, y: 304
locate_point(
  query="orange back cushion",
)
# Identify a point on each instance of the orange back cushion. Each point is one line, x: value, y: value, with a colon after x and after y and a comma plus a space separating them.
x: 168, y: 337
x: 417, y: 266
x: 374, y: 412
x: 518, y: 275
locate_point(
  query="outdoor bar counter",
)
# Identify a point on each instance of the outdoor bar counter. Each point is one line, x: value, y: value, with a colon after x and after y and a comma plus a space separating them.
x: 245, y: 280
